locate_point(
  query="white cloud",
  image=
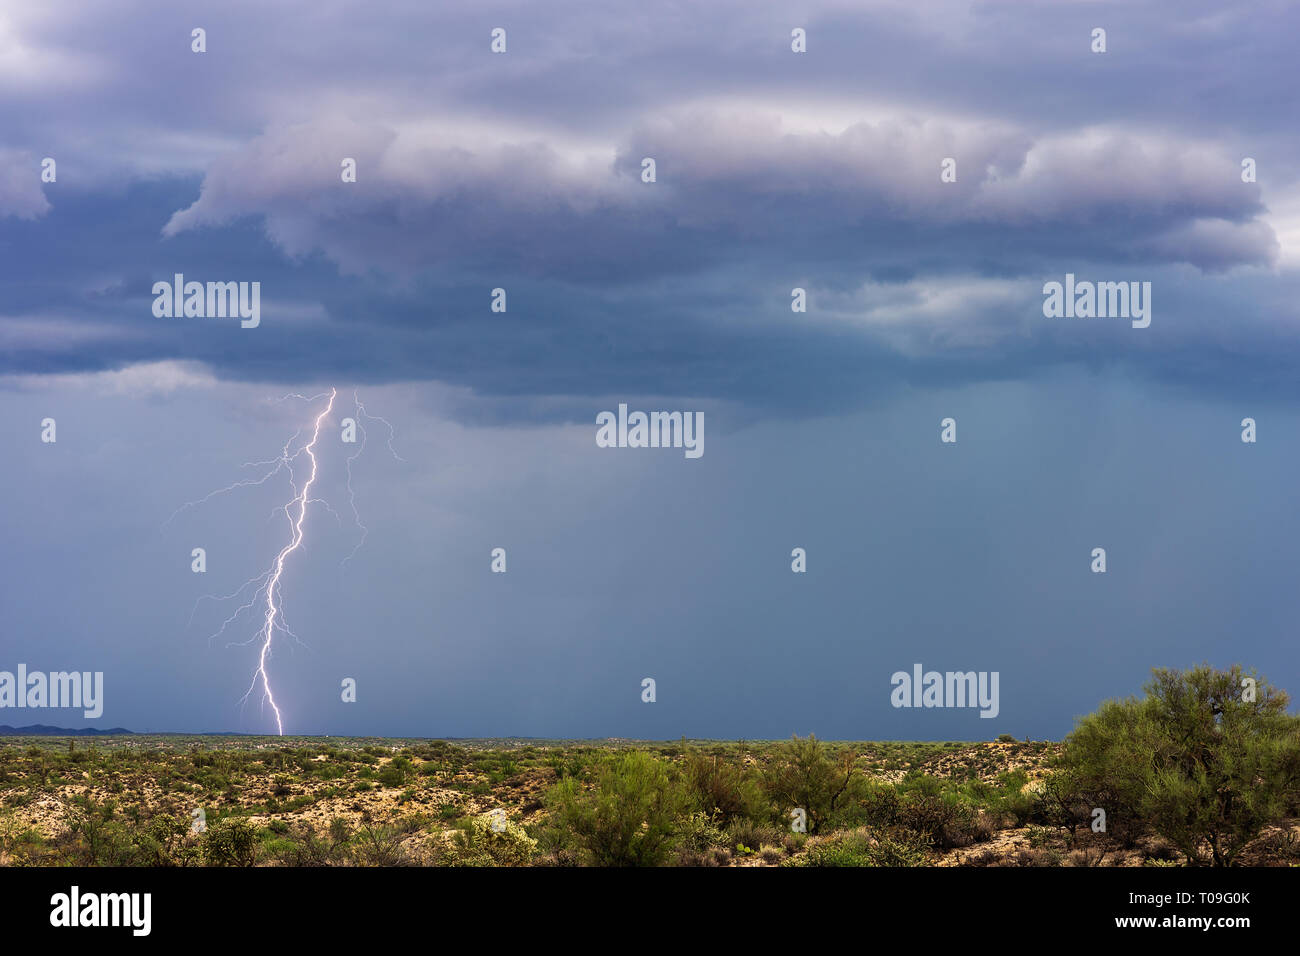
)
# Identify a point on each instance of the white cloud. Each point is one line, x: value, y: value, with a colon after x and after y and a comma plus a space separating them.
x: 138, y: 380
x: 722, y: 171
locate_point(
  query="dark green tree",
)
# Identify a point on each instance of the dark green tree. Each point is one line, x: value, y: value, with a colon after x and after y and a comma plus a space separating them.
x: 1207, y: 759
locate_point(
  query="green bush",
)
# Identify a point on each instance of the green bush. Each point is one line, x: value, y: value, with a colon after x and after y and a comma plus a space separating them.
x: 99, y: 838
x: 477, y: 843
x: 722, y: 788
x: 880, y: 804
x: 749, y: 833
x: 306, y: 848
x: 862, y: 848
x: 392, y: 776
x: 631, y: 816
x: 903, y: 848
x: 166, y: 841
x: 807, y: 775
x: 852, y: 849
x: 943, y: 821
x: 229, y: 843
x: 379, y: 845
x: 1202, y: 767
x: 698, y: 833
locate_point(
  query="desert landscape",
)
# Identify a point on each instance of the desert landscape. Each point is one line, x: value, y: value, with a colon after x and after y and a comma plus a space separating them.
x: 177, y: 800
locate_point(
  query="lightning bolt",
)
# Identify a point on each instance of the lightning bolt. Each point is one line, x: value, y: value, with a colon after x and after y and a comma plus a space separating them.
x: 273, y: 612
x: 266, y: 585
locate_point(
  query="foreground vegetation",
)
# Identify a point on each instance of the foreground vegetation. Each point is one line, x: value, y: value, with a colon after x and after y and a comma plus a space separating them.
x: 1194, y: 773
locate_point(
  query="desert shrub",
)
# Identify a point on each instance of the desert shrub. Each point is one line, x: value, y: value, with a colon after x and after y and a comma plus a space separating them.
x: 918, y: 783
x: 1011, y: 800
x: 302, y: 847
x: 1093, y: 854
x: 751, y: 834
x: 229, y: 843
x: 980, y: 829
x: 699, y: 832
x: 477, y: 843
x: 880, y: 804
x: 865, y: 802
x: 391, y: 776
x: 722, y: 788
x: 942, y: 820
x: 1204, y: 768
x: 1068, y: 796
x: 1282, y: 846
x: 771, y: 855
x: 567, y: 765
x: 307, y: 848
x: 863, y: 848
x: 715, y: 856
x: 166, y: 841
x: 98, y: 839
x: 1161, y: 849
x: 848, y: 849
x: 373, y: 845
x: 1012, y: 781
x: 1041, y: 856
x: 20, y: 845
x: 806, y: 774
x: 899, y: 848
x: 1038, y: 837
x: 629, y: 818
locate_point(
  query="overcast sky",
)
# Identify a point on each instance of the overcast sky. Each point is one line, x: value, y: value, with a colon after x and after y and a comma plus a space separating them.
x: 775, y: 170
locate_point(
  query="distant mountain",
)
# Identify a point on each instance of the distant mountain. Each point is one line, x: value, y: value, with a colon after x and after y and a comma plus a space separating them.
x: 45, y: 730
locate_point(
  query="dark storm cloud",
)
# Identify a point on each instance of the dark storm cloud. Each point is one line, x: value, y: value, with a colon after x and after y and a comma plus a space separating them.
x: 720, y: 332
x: 523, y: 172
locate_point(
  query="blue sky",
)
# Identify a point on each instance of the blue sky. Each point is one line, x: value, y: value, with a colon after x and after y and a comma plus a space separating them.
x: 775, y: 170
